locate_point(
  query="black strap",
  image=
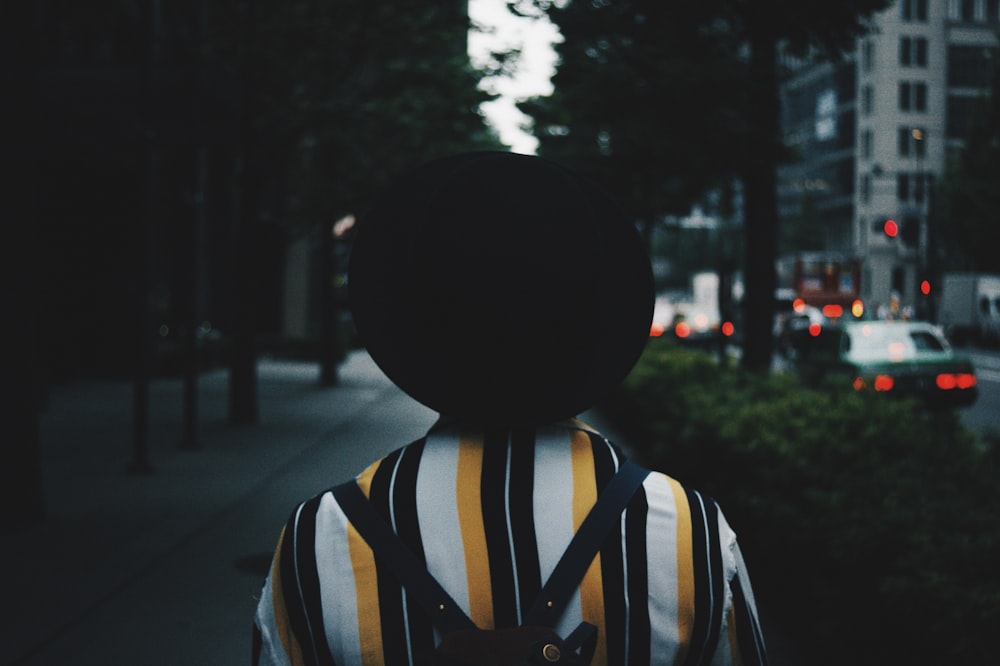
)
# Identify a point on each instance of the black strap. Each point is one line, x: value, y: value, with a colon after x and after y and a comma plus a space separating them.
x: 586, y: 542
x: 405, y: 565
x: 446, y: 613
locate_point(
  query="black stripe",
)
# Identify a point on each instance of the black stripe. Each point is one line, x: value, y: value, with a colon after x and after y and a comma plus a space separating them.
x: 390, y: 592
x: 256, y: 646
x: 638, y: 580
x: 606, y: 460
x: 748, y: 634
x: 294, y: 605
x: 702, y: 590
x: 314, y: 643
x: 404, y: 501
x: 718, y: 590
x: 613, y: 581
x: 493, y: 489
x: 522, y: 517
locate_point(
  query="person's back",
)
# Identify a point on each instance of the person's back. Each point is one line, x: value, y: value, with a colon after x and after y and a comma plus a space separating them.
x: 490, y: 498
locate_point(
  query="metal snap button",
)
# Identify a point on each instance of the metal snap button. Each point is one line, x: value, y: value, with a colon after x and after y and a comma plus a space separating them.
x: 551, y: 653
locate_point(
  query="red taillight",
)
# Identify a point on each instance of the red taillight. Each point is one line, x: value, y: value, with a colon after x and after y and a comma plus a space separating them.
x: 884, y: 382
x: 682, y: 329
x: 728, y: 329
x: 655, y: 330
x: 947, y: 381
x: 815, y: 329
x: 799, y: 305
x: 859, y: 384
x: 833, y: 311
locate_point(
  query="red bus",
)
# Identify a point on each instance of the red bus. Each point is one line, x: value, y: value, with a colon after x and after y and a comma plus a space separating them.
x: 828, y: 281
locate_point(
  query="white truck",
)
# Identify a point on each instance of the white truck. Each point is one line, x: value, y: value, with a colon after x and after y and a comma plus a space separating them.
x: 969, y: 307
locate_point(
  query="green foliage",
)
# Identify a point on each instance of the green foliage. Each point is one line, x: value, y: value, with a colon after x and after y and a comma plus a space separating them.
x: 871, y: 528
x: 351, y: 93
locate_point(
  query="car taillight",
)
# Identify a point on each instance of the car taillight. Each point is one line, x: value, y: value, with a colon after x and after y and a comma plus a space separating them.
x: 682, y: 329
x: 858, y: 308
x: 946, y: 381
x: 815, y: 329
x: 655, y: 330
x: 833, y: 311
x: 884, y: 382
x: 881, y: 383
x: 728, y: 329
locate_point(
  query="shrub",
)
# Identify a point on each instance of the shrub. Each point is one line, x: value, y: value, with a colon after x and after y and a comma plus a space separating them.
x: 870, y: 525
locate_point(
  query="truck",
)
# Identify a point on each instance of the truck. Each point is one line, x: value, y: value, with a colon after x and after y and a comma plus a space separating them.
x: 969, y: 308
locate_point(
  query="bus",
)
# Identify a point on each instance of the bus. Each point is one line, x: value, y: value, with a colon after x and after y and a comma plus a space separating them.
x: 827, y: 281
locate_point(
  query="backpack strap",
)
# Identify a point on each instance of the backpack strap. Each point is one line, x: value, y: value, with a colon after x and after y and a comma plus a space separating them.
x: 446, y: 614
x: 582, y: 549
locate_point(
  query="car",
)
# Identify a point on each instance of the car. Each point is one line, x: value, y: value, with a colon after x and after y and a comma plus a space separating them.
x: 896, y: 358
x: 699, y: 326
x: 794, y: 329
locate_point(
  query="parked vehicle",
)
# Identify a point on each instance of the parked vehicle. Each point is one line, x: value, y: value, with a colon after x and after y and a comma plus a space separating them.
x: 897, y: 358
x: 969, y: 307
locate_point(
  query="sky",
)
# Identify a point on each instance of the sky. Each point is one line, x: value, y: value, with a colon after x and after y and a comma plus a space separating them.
x: 534, y: 36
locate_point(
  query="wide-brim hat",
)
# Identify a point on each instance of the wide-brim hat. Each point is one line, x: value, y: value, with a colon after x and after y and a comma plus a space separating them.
x: 500, y: 288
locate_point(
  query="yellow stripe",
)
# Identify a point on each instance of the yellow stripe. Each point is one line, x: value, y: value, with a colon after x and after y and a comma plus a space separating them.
x: 584, y: 498
x: 292, y: 647
x: 685, y: 571
x: 470, y: 519
x: 366, y: 586
x: 734, y: 643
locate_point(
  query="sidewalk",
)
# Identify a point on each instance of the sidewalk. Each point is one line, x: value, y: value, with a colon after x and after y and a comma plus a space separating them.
x: 165, y: 568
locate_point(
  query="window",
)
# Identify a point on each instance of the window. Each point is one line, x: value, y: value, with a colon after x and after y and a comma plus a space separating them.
x: 868, y: 55
x: 968, y: 10
x: 867, y: 100
x: 912, y: 96
x: 913, y: 51
x: 913, y: 10
x: 865, y: 188
x: 993, y: 11
x: 867, y: 141
x: 903, y: 142
x: 902, y: 187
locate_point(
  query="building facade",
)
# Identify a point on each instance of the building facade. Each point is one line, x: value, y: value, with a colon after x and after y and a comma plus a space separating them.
x: 872, y: 133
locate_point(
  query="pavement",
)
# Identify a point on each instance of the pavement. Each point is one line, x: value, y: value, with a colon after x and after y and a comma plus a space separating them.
x: 165, y: 568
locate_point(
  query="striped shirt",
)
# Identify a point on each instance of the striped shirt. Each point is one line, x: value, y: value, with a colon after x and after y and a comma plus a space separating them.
x: 490, y: 515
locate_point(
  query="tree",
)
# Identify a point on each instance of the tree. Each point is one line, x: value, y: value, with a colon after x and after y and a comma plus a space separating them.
x: 338, y: 98
x: 662, y: 101
x: 968, y: 202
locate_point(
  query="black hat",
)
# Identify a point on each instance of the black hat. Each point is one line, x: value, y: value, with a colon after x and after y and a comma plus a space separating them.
x: 500, y: 288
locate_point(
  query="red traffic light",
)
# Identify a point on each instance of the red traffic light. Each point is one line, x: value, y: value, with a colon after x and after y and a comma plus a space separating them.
x: 890, y: 228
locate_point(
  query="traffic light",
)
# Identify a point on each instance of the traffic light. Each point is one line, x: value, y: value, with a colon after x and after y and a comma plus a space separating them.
x: 888, y: 227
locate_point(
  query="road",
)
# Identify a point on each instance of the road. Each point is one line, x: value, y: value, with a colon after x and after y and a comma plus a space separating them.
x: 985, y: 414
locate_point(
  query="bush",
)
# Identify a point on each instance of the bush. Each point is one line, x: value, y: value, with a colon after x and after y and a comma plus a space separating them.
x: 871, y: 526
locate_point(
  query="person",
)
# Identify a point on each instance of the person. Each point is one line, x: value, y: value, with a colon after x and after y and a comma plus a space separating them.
x: 509, y: 295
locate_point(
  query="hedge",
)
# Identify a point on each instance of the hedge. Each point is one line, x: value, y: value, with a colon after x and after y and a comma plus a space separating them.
x: 870, y: 525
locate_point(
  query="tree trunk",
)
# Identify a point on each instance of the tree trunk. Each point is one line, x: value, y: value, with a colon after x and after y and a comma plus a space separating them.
x: 760, y: 198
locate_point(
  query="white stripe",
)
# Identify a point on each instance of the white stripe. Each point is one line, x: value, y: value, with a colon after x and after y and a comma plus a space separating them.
x: 661, y: 564
x: 337, y: 585
x: 510, y: 537
x: 552, y: 506
x: 625, y: 595
x: 298, y: 582
x: 708, y: 566
x: 437, y: 514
